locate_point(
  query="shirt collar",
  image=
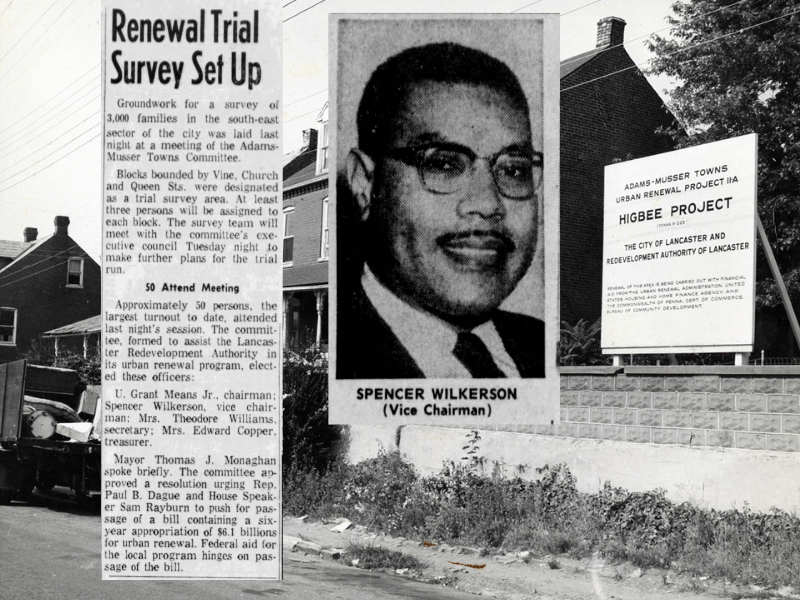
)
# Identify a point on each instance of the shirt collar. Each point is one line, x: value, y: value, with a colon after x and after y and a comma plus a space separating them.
x: 428, y: 339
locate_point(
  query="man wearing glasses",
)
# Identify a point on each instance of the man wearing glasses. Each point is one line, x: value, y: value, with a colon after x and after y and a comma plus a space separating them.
x: 446, y: 181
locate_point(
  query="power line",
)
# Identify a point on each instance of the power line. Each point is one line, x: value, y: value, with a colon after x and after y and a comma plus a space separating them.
x: 87, y: 141
x: 46, y: 255
x: 580, y: 7
x: 57, y: 136
x: 646, y: 35
x: 22, y: 135
x: 51, y: 164
x: 41, y: 209
x: 565, y: 62
x: 526, y: 6
x: 19, y: 16
x: 49, y: 155
x: 316, y: 110
x: 305, y: 98
x: 314, y: 151
x: 26, y: 136
x: 52, y: 41
x: 47, y: 144
x: 562, y: 14
x: 304, y: 10
x: 40, y: 36
x: 6, y: 8
x: 703, y: 43
x: 326, y: 89
x: 26, y: 32
x: 53, y: 97
x: 29, y: 275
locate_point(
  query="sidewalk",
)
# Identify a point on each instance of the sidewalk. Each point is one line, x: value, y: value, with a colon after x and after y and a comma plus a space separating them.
x: 507, y: 576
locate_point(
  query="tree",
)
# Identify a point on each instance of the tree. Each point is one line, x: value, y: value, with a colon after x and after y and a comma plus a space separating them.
x: 736, y: 63
x: 310, y: 444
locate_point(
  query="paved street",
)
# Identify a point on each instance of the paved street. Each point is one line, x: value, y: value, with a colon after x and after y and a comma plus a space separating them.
x: 51, y: 551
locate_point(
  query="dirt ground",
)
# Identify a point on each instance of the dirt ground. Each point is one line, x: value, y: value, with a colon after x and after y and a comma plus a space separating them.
x: 517, y: 577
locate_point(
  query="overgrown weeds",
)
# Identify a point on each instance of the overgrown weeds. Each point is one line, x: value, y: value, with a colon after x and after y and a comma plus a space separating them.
x: 460, y: 505
x: 370, y: 556
x: 88, y: 367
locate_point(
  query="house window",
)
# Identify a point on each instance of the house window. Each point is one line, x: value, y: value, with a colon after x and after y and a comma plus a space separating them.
x: 323, y: 246
x: 322, y: 153
x: 8, y: 326
x: 288, y: 236
x: 75, y: 272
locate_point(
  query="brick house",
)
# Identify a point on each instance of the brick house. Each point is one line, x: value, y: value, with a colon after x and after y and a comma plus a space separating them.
x: 609, y: 112
x: 305, y: 240
x: 44, y: 284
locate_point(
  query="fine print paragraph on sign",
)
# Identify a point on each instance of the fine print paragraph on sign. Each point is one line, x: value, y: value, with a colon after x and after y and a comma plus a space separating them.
x: 191, y: 290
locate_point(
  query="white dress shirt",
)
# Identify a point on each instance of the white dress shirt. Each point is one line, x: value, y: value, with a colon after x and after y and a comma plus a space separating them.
x: 428, y: 339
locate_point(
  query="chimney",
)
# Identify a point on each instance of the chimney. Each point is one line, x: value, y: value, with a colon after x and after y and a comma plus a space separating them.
x: 309, y: 140
x: 610, y: 32
x: 29, y: 234
x: 62, y: 225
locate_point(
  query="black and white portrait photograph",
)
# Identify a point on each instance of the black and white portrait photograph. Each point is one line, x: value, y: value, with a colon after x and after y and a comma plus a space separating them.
x: 440, y: 199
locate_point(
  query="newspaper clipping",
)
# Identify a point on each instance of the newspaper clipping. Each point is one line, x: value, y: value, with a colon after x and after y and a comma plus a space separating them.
x: 191, y: 295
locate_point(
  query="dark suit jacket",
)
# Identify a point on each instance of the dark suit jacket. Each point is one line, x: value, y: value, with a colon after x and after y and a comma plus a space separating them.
x: 366, y: 347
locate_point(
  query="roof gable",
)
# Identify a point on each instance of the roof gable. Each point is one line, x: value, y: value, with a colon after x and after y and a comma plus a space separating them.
x: 40, y: 247
x: 86, y: 326
x: 303, y: 170
x: 12, y: 249
x: 299, y: 163
x: 570, y: 65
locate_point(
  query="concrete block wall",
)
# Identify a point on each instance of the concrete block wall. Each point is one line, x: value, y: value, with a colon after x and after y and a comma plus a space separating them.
x: 755, y: 408
x: 717, y: 436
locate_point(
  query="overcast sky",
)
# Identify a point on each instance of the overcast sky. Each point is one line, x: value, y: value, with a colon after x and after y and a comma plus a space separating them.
x: 50, y: 123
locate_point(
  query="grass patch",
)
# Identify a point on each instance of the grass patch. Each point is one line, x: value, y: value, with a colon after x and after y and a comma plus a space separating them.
x: 373, y: 557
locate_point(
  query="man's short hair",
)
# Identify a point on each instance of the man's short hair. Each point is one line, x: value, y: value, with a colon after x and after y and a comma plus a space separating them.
x: 445, y: 62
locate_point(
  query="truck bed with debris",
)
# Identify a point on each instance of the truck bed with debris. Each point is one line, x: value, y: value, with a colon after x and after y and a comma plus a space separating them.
x: 49, y: 432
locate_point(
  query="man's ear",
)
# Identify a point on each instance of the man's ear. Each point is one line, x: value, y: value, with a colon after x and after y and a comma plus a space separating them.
x: 360, y: 169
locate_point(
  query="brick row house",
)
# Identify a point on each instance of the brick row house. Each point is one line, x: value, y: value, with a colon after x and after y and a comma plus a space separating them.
x: 305, y: 240
x: 609, y: 112
x: 44, y: 284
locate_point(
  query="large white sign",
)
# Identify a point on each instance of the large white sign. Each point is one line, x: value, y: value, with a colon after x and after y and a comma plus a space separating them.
x: 679, y: 250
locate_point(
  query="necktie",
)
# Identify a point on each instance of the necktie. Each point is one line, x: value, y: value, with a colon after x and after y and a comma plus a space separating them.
x: 474, y: 355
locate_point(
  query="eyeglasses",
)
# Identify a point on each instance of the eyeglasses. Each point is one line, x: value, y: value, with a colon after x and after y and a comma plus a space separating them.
x: 448, y: 168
